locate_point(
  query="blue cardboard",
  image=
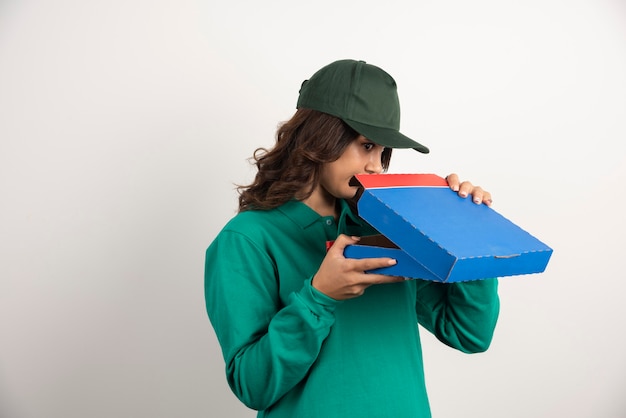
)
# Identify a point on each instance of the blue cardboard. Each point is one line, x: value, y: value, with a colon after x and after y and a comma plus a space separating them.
x: 437, y: 235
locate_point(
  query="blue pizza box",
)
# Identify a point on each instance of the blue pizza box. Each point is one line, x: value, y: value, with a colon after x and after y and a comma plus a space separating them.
x: 436, y: 235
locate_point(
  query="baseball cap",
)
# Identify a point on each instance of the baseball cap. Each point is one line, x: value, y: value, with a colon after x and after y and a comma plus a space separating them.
x: 362, y: 95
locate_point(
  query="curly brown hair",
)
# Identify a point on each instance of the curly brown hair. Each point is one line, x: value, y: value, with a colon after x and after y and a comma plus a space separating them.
x: 292, y: 168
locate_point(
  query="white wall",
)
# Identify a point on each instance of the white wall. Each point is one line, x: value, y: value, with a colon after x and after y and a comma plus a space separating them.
x: 124, y: 124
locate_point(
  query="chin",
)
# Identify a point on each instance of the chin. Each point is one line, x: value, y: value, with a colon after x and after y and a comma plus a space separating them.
x: 351, y: 194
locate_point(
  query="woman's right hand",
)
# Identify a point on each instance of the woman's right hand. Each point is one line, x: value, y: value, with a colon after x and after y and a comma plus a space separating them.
x: 344, y: 278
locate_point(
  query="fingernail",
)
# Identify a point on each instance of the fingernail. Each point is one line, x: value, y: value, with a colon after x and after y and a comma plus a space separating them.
x: 477, y: 201
x: 392, y: 262
x: 463, y: 194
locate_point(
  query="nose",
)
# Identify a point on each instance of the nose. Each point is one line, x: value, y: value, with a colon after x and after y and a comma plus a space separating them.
x: 374, y: 164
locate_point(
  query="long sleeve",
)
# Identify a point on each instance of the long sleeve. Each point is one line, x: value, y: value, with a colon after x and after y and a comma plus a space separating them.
x: 268, y: 345
x: 291, y: 351
x: 461, y: 315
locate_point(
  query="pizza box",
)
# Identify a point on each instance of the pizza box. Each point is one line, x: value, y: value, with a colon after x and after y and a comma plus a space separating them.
x: 434, y: 234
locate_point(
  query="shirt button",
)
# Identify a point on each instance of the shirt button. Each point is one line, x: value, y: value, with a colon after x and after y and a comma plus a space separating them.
x: 329, y: 222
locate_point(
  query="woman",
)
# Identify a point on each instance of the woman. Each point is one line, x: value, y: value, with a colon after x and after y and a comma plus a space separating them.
x: 304, y: 331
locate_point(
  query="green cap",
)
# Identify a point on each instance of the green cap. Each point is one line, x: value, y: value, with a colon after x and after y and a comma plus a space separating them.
x: 363, y: 96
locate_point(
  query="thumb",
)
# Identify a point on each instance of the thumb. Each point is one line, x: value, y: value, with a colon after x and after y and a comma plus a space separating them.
x: 342, y: 242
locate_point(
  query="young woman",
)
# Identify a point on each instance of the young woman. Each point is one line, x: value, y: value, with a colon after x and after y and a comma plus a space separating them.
x: 304, y: 331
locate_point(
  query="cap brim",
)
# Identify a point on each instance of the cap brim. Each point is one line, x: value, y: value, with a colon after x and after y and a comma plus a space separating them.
x: 386, y: 137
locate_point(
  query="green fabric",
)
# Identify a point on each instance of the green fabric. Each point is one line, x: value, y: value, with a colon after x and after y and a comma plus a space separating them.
x: 363, y: 96
x: 291, y: 351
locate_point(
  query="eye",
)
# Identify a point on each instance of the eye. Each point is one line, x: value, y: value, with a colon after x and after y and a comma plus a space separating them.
x: 368, y: 146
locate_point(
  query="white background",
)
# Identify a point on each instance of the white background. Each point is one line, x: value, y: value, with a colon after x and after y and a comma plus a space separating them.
x: 125, y: 124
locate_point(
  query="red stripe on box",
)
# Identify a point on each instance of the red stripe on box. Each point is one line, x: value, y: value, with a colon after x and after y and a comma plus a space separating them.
x: 374, y: 181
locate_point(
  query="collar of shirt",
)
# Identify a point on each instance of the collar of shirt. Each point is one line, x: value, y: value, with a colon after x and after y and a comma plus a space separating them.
x: 303, y: 216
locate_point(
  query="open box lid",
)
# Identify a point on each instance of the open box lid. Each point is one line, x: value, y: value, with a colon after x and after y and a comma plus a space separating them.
x: 451, y: 238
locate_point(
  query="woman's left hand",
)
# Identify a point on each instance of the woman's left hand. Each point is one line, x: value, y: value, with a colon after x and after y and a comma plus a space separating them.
x: 466, y: 188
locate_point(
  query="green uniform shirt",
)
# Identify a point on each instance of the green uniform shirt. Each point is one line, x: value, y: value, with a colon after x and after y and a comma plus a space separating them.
x: 291, y: 351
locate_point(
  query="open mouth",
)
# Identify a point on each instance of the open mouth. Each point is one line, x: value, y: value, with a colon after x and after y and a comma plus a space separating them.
x: 355, y: 183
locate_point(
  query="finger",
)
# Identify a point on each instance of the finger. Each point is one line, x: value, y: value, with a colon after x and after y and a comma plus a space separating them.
x: 371, y: 279
x: 465, y: 189
x: 487, y: 200
x: 342, y: 242
x: 366, y: 264
x: 453, y: 181
x: 477, y: 195
x: 481, y: 196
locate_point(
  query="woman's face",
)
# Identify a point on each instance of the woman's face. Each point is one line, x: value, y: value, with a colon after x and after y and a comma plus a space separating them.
x: 362, y: 156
